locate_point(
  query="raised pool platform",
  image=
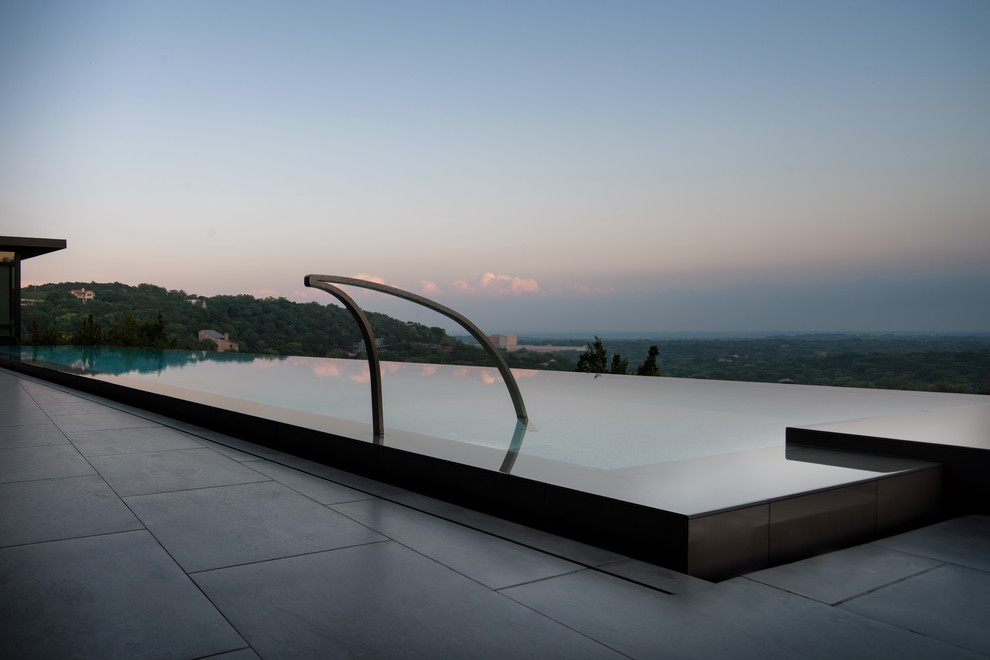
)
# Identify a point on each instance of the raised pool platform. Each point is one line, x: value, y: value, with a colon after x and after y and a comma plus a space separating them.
x: 692, y: 475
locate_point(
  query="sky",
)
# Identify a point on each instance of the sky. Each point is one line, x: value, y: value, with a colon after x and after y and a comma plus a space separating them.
x: 539, y: 166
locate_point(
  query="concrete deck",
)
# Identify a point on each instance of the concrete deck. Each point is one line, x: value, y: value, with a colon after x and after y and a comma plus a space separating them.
x: 124, y: 534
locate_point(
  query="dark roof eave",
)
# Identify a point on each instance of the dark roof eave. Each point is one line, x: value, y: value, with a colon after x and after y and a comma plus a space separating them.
x: 30, y: 247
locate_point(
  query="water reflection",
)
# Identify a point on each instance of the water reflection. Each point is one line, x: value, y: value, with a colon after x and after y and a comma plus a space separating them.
x: 443, y: 401
x: 119, y: 361
x: 518, y: 435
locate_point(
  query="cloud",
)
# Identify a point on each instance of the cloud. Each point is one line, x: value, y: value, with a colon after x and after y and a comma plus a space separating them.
x: 305, y: 294
x: 264, y: 293
x: 499, y: 285
x: 369, y: 278
x: 327, y: 370
x: 429, y: 288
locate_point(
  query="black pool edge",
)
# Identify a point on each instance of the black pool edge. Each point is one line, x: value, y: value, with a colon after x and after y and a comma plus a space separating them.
x: 966, y: 487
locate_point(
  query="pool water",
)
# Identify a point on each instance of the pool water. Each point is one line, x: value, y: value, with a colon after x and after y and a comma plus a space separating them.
x: 609, y: 423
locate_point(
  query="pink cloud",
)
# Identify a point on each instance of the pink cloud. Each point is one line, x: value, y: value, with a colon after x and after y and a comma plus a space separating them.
x: 430, y: 288
x: 327, y: 370
x: 489, y: 376
x: 363, y: 377
x: 498, y: 285
x: 264, y: 293
x: 369, y: 278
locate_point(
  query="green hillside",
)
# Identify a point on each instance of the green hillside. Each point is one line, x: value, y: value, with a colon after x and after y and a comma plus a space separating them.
x: 128, y: 315
x: 152, y: 316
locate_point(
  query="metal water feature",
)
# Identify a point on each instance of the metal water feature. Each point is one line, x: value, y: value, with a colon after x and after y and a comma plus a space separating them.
x: 327, y: 282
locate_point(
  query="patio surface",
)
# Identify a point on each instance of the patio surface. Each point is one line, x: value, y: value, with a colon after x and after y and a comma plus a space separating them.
x: 124, y: 534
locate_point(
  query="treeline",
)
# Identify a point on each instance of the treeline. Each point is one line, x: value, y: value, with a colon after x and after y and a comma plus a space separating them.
x: 596, y: 360
x: 927, y: 363
x: 152, y: 316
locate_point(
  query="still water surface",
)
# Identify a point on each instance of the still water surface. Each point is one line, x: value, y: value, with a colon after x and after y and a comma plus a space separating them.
x: 609, y: 422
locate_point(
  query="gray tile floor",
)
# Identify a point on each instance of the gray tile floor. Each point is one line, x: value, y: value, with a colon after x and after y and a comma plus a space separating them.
x: 127, y: 535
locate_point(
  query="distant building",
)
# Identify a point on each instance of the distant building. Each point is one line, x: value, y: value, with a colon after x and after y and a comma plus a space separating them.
x: 358, y: 346
x: 199, y: 302
x: 222, y: 341
x: 503, y: 341
x: 443, y: 348
x: 83, y: 294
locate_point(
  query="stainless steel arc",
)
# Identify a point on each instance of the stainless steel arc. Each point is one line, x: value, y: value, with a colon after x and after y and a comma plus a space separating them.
x: 327, y: 282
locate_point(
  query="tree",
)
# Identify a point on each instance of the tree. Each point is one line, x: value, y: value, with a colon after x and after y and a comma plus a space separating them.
x: 619, y: 366
x: 594, y: 360
x: 89, y: 333
x: 141, y: 334
x: 47, y: 337
x: 649, y: 366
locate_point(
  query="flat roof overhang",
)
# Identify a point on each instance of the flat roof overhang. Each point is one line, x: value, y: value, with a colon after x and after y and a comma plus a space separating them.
x: 30, y: 247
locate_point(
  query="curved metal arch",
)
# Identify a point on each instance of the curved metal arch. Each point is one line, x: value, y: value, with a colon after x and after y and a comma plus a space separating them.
x: 326, y: 283
x: 374, y: 366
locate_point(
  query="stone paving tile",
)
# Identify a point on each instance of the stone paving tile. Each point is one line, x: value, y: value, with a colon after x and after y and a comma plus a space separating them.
x: 235, y: 454
x: 533, y: 538
x: 98, y: 421
x: 73, y: 407
x: 45, y: 433
x: 128, y: 441
x: 13, y: 397
x: 658, y: 577
x: 321, y: 490
x: 211, y: 528
x: 51, y: 509
x: 949, y: 603
x: 22, y: 416
x: 841, y: 575
x: 382, y: 601
x: 48, y: 392
x: 736, y: 619
x: 162, y: 471
x: 964, y: 541
x: 492, y: 561
x: 42, y: 462
x: 111, y: 596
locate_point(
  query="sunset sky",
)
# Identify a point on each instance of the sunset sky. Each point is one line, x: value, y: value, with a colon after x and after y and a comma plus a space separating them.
x: 539, y: 166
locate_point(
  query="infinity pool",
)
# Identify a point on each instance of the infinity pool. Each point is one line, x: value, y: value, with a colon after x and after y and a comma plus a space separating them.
x: 694, y: 475
x: 610, y: 422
